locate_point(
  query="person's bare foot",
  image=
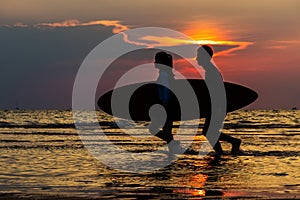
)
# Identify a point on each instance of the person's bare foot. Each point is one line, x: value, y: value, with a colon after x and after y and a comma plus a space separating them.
x: 240, y: 152
x: 235, y: 150
x: 218, y: 154
x: 175, y: 147
x: 218, y: 149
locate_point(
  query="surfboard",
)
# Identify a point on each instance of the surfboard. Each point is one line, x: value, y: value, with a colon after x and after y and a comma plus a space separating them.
x: 145, y: 95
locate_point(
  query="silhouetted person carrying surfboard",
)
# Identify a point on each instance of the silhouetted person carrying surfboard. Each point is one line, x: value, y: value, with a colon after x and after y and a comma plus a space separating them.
x: 164, y: 63
x: 204, y: 58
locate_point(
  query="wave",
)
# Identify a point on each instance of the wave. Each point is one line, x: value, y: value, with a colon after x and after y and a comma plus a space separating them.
x: 260, y: 126
x: 57, y: 125
x: 35, y: 125
x: 106, y: 124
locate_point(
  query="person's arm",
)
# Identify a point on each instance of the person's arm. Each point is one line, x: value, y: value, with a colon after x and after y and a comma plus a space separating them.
x: 164, y: 92
x: 211, y: 71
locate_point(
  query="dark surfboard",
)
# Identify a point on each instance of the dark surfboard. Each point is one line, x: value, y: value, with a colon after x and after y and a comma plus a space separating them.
x: 146, y: 95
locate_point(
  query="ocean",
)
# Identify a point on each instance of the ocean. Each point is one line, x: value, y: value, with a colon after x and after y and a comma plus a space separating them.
x: 42, y: 156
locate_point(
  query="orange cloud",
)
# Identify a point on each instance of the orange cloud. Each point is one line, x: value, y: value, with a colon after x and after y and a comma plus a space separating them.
x: 289, y: 41
x: 276, y: 47
x: 18, y: 24
x: 281, y: 44
x: 118, y: 27
x: 138, y: 43
x: 236, y: 46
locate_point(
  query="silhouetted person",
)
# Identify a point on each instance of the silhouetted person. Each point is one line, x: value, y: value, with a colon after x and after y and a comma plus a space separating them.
x: 164, y: 63
x: 204, y: 56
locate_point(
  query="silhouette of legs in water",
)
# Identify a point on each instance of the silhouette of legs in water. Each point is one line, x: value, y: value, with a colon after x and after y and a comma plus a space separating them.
x: 156, y: 122
x: 235, y: 142
x: 164, y: 131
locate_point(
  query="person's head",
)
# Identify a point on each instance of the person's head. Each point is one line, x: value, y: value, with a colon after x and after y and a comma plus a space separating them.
x: 164, y: 59
x: 204, y: 54
x: 208, y: 49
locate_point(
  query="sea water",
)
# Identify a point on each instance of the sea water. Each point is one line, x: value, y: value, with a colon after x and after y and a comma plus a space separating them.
x: 41, y: 154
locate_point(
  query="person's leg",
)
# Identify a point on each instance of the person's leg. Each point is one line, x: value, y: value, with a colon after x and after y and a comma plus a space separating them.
x: 166, y: 132
x: 162, y: 134
x: 217, y: 147
x: 173, y: 145
x: 168, y: 126
x: 235, y: 142
x: 156, y: 125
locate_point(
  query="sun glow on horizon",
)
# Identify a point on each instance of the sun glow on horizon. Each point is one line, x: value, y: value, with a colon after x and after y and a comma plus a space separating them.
x: 159, y: 41
x: 214, y: 33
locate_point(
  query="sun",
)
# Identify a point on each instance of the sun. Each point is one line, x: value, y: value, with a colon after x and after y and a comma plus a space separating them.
x: 206, y: 30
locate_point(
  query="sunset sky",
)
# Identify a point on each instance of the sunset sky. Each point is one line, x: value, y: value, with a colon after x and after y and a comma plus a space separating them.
x: 43, y: 43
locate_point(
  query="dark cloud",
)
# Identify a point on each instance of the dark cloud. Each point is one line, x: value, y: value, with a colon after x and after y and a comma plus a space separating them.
x: 38, y: 66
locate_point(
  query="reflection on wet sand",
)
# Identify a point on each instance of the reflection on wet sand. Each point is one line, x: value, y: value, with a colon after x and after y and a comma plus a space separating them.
x: 42, y: 156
